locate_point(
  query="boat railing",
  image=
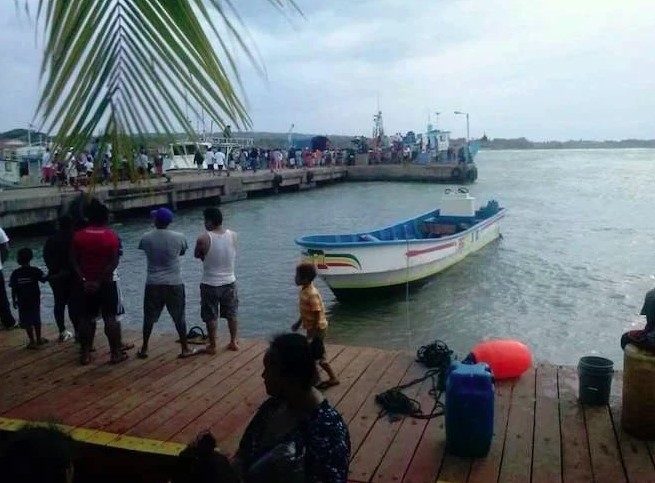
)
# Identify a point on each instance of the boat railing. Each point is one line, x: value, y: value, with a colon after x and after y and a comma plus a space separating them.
x: 233, y: 142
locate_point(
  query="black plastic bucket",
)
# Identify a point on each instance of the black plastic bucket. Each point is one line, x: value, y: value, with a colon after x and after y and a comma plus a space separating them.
x: 595, y: 380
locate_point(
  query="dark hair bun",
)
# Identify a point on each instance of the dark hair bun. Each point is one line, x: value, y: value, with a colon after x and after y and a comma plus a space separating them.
x: 206, y: 443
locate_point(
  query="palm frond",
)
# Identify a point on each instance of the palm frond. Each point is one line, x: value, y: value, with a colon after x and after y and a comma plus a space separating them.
x: 128, y: 67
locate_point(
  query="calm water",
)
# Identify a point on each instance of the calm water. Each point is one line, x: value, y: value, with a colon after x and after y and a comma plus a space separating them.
x: 568, y: 277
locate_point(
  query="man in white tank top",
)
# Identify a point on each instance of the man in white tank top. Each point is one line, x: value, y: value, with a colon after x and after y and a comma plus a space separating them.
x: 217, y: 248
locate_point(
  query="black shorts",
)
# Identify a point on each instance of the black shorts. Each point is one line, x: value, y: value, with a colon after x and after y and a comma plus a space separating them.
x: 105, y: 301
x: 221, y: 301
x: 29, y: 317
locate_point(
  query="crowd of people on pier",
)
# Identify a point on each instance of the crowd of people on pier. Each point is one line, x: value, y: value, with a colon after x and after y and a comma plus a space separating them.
x: 66, y: 168
x: 296, y: 435
x: 253, y: 159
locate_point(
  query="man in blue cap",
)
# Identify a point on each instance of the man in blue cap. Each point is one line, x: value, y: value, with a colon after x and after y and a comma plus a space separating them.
x: 164, y: 285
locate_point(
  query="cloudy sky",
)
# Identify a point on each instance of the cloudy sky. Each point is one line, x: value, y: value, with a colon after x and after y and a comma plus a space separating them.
x: 543, y: 69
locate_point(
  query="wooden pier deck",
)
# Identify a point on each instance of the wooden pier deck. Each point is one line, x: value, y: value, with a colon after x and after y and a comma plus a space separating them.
x: 155, y: 406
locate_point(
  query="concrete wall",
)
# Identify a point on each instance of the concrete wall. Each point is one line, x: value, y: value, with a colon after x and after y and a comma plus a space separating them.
x: 35, y: 206
x: 432, y: 173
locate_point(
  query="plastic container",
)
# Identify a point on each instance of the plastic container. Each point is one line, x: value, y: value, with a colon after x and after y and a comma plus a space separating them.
x: 594, y: 380
x: 638, y: 393
x: 469, y: 409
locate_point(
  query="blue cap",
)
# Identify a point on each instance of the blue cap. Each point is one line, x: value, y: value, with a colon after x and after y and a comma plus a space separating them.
x: 162, y: 215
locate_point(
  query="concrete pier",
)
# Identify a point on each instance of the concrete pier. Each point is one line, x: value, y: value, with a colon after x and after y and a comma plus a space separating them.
x: 36, y: 206
x: 430, y: 173
x: 24, y: 207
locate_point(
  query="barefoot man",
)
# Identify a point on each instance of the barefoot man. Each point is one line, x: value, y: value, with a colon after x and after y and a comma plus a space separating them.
x: 217, y: 248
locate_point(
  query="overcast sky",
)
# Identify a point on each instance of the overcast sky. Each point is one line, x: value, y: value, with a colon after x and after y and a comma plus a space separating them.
x: 543, y: 69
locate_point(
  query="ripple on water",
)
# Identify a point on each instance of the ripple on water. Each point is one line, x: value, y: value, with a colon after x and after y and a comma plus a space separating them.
x: 567, y: 279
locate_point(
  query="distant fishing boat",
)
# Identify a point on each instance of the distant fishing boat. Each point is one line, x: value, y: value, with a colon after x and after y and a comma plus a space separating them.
x: 180, y: 155
x: 407, y: 252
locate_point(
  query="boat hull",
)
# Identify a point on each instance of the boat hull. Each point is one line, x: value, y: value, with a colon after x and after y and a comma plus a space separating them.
x: 354, y: 270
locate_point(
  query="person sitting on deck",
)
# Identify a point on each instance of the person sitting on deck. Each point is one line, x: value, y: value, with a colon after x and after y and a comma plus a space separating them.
x: 643, y: 339
x: 37, y: 454
x: 296, y: 435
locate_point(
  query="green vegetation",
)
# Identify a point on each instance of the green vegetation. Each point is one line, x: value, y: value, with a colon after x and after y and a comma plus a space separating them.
x: 523, y: 143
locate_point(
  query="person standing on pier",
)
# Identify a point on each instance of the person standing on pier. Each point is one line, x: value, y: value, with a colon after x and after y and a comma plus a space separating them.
x: 94, y: 257
x: 219, y: 159
x: 56, y: 255
x: 217, y: 248
x: 26, y: 296
x: 313, y: 320
x: 164, y: 285
x: 6, y: 317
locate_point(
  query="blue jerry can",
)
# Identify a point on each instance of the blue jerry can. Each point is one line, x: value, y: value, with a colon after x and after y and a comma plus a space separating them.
x: 469, y: 409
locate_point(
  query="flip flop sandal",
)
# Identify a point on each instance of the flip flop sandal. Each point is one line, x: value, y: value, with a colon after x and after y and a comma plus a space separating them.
x: 142, y: 355
x: 195, y: 336
x: 127, y: 347
x: 191, y: 353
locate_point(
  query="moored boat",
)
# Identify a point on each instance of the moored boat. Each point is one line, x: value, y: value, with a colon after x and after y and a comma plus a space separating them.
x: 408, y: 252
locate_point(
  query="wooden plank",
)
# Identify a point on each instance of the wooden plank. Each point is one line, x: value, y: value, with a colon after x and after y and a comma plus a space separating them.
x: 232, y: 393
x: 190, y: 404
x: 22, y: 363
x: 361, y: 389
x: 547, y: 457
x: 230, y: 428
x: 125, y: 398
x: 40, y: 377
x: 371, y: 435
x: 454, y: 469
x: 635, y: 454
x: 426, y: 461
x: 72, y: 395
x: 401, y: 450
x: 576, y: 463
x: 367, y: 415
x: 605, y: 456
x: 488, y: 469
x: 184, y: 374
x: 351, y: 374
x: 32, y: 379
x: 200, y: 382
x: 517, y: 456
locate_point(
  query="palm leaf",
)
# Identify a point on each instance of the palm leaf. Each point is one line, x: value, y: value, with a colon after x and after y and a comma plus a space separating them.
x: 117, y: 69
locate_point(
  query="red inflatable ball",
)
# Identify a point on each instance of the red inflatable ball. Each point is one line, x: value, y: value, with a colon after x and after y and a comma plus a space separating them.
x: 506, y: 358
